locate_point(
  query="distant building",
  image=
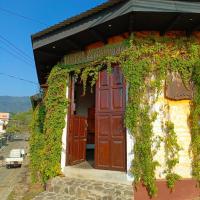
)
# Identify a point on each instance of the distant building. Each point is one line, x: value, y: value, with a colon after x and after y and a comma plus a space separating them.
x: 4, y: 118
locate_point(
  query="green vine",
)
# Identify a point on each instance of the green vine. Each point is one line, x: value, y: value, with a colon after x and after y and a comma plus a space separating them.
x: 37, y: 143
x: 172, y: 149
x: 47, y: 127
x: 145, y: 64
x: 89, y: 72
x: 195, y: 123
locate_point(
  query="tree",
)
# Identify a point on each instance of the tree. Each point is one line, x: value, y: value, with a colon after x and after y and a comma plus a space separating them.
x: 19, y: 122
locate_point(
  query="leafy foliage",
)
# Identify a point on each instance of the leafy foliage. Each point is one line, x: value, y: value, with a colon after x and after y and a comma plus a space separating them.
x: 48, y: 123
x: 172, y: 149
x: 19, y: 122
x: 145, y: 64
x: 37, y: 143
x: 195, y: 123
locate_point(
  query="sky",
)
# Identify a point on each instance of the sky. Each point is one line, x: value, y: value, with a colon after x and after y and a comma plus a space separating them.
x: 19, y: 19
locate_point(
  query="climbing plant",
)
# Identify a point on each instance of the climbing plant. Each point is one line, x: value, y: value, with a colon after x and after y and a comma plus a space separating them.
x: 172, y: 149
x: 37, y: 142
x: 145, y: 63
x: 195, y: 123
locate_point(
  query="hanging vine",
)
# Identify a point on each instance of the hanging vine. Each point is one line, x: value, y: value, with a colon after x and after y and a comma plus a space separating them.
x: 172, y: 149
x: 195, y: 123
x: 145, y: 64
x: 37, y: 143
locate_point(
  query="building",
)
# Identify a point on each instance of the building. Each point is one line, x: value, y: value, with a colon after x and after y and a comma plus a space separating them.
x: 82, y: 39
x: 4, y: 118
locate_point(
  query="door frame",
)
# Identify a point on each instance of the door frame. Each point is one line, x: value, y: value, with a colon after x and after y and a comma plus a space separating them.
x: 70, y: 111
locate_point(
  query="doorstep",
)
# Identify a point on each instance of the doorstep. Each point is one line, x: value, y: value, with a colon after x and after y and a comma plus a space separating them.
x: 96, y: 174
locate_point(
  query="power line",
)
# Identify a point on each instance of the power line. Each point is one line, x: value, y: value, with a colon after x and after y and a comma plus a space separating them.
x: 7, y: 42
x: 18, y: 78
x: 21, y: 16
x: 18, y: 57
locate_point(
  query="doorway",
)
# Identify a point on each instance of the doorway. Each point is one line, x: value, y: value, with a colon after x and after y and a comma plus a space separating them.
x: 97, y: 133
x: 82, y: 124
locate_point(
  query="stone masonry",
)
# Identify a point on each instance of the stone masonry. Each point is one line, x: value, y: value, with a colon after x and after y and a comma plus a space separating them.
x: 65, y: 188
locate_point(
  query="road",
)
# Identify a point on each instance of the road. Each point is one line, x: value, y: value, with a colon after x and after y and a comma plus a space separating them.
x: 10, y: 177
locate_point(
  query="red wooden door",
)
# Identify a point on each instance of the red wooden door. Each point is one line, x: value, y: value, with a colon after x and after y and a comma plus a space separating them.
x: 78, y: 139
x: 110, y: 130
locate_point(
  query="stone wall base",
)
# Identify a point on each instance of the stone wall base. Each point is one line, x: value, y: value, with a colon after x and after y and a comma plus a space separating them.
x: 185, y: 189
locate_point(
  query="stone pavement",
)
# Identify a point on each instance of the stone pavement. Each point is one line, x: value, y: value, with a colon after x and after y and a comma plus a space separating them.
x: 65, y: 188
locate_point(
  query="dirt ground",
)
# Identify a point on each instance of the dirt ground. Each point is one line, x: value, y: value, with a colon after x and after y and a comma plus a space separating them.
x: 25, y: 189
x: 15, y: 183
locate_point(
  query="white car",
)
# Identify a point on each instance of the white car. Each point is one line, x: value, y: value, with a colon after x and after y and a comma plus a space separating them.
x: 15, y: 158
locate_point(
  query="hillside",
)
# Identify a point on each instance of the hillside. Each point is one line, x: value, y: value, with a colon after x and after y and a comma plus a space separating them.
x: 14, y: 104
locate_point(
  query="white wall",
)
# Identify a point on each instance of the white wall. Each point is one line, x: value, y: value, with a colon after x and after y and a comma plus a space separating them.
x: 178, y: 113
x: 64, y: 140
x: 129, y: 148
x: 130, y: 155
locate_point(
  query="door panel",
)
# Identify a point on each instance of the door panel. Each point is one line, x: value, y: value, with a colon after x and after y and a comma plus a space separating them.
x: 104, y: 100
x: 104, y: 153
x: 75, y: 151
x: 104, y: 79
x: 78, y: 138
x: 109, y: 126
x: 117, y: 77
x: 105, y: 129
x: 117, y: 126
x: 117, y: 147
x: 117, y: 99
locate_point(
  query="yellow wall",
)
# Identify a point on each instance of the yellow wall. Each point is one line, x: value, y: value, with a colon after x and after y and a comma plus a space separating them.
x: 177, y: 112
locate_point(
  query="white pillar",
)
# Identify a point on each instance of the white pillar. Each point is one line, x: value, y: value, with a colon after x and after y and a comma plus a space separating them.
x: 64, y: 140
x: 129, y: 147
x: 130, y: 155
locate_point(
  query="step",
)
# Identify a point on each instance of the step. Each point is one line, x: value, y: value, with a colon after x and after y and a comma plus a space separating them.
x: 86, y: 189
x: 96, y: 174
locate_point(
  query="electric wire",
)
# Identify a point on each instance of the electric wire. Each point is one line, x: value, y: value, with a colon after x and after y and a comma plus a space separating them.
x: 21, y: 16
x: 10, y: 44
x: 19, y: 78
x: 18, y: 57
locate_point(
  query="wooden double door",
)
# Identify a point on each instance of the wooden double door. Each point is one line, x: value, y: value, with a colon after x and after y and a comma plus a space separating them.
x: 110, y: 133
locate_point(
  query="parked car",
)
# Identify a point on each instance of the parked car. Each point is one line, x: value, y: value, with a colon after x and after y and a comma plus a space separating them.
x: 15, y: 158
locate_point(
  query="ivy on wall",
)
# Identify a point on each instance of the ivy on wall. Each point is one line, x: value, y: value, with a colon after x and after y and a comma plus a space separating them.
x: 48, y: 123
x: 172, y: 149
x: 145, y: 64
x: 37, y: 143
x: 195, y: 123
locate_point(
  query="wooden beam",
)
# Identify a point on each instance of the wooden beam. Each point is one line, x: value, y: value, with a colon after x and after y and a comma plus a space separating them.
x: 98, y: 36
x: 171, y: 24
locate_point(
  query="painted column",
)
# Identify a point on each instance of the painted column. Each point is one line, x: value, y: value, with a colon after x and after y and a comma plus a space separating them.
x: 64, y: 140
x: 129, y: 147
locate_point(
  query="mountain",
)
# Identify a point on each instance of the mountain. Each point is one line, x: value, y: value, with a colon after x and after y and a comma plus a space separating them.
x: 14, y: 104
